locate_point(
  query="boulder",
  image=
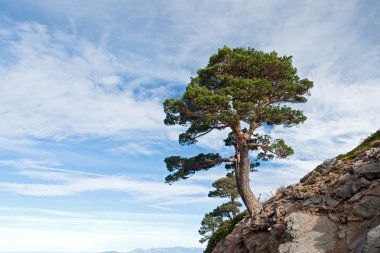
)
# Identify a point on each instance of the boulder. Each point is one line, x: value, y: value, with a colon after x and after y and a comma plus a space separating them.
x: 308, y: 233
x: 369, y: 171
x: 370, y: 243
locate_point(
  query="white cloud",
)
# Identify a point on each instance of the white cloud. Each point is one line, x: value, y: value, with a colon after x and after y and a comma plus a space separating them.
x: 62, y: 182
x: 339, y: 116
x: 52, y: 89
x: 15, y: 210
x: 279, y: 173
x: 110, y: 80
x: 134, y: 149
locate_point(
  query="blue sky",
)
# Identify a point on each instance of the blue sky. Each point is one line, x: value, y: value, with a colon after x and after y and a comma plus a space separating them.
x: 82, y: 83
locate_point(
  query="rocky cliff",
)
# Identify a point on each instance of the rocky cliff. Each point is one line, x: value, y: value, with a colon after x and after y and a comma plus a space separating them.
x: 336, y: 208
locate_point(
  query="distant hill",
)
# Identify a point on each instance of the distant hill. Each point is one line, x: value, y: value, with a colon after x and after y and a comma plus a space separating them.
x: 163, y: 250
x: 168, y: 250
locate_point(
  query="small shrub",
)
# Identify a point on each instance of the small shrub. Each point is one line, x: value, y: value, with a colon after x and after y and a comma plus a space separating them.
x: 366, y: 144
x: 280, y: 191
x: 224, y: 229
x: 317, y: 169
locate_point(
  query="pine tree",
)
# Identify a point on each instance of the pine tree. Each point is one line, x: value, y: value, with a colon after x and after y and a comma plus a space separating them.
x: 210, y: 223
x: 225, y: 187
x: 239, y: 87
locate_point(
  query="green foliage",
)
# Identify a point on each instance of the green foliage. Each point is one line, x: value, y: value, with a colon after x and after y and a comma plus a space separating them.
x: 224, y: 229
x: 276, y: 146
x: 367, y: 143
x: 239, y: 85
x: 209, y: 225
x: 279, y: 147
x: 225, y: 187
x: 185, y: 167
x: 269, y: 147
x: 229, y: 209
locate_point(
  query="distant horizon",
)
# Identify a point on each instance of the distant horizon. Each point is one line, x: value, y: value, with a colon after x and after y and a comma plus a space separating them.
x: 118, y: 251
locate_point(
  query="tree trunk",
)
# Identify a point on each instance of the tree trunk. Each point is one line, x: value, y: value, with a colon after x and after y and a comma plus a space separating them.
x: 242, y: 179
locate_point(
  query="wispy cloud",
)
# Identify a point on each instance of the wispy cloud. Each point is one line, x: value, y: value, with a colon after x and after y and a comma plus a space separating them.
x: 134, y: 149
x: 52, y: 90
x: 69, y: 182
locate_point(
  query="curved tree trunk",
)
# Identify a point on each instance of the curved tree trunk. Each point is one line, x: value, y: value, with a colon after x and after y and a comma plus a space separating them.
x: 242, y: 179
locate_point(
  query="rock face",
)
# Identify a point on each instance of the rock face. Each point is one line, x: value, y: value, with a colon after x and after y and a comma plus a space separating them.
x: 370, y: 243
x: 336, y: 209
x: 308, y: 233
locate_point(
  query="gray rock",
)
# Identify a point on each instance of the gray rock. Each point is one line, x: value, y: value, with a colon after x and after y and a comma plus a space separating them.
x: 370, y: 243
x: 376, y: 152
x: 341, y: 233
x: 331, y: 202
x: 376, y: 190
x: 329, y: 162
x: 373, y: 152
x: 313, y: 200
x: 360, y: 184
x: 369, y: 171
x: 344, y: 191
x: 356, y: 197
x: 308, y: 233
x: 367, y: 207
x: 333, y: 217
x: 344, y: 178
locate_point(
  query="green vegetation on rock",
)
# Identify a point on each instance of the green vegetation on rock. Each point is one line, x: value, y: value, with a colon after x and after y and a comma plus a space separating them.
x: 364, y: 145
x: 224, y: 229
x: 367, y: 143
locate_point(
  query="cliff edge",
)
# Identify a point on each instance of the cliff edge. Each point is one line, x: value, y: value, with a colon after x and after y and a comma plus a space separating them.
x: 335, y: 208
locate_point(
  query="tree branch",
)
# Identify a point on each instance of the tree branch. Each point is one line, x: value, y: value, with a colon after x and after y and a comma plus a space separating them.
x: 252, y: 128
x: 216, y: 161
x: 183, y: 168
x: 265, y: 148
x: 278, y: 148
x: 188, y: 112
x: 202, y: 134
